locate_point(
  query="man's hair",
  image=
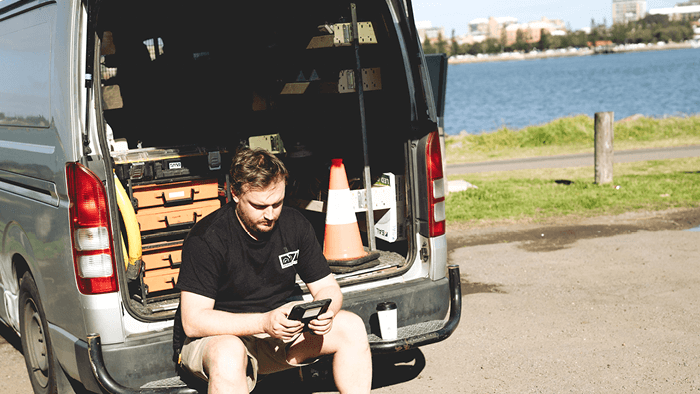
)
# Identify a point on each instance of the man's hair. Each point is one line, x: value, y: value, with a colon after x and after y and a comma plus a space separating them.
x: 255, y: 169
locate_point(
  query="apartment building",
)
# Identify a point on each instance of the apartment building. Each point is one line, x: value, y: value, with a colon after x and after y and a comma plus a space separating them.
x: 680, y: 12
x: 427, y: 30
x: 624, y: 11
x: 533, y: 30
x: 490, y: 27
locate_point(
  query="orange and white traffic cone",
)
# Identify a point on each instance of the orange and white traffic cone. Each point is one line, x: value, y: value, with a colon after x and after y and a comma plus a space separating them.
x: 342, y: 244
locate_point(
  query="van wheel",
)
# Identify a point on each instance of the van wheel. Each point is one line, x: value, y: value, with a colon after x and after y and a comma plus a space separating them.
x: 36, y: 344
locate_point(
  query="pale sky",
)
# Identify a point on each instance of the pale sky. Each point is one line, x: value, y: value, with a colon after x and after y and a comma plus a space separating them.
x: 456, y: 14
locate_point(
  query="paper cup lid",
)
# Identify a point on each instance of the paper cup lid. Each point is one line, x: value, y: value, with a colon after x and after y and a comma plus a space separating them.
x: 386, y: 306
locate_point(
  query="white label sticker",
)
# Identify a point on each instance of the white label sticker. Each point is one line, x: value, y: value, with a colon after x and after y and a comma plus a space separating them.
x: 176, y: 165
x: 179, y: 194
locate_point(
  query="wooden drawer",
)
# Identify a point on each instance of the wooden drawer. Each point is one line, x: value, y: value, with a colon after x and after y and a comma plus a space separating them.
x: 156, y: 256
x: 169, y: 218
x: 161, y: 279
x: 175, y: 193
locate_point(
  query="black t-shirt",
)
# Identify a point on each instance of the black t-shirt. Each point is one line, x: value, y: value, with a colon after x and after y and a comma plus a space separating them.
x: 221, y: 261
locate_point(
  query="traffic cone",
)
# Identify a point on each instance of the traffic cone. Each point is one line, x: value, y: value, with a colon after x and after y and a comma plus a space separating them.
x: 342, y: 244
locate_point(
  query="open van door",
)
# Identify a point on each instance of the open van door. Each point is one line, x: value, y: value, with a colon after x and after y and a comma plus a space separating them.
x: 437, y: 69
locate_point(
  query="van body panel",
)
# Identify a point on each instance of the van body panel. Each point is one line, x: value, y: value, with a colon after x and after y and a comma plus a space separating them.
x: 25, y: 47
x: 99, y: 312
x: 72, y: 354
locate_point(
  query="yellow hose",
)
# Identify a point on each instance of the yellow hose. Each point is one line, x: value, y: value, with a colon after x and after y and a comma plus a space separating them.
x: 133, y: 234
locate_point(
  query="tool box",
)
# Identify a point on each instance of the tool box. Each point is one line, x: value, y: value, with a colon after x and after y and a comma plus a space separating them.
x: 161, y: 266
x: 170, y: 191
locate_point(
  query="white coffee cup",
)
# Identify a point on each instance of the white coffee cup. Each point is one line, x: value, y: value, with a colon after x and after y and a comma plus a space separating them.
x: 387, y: 314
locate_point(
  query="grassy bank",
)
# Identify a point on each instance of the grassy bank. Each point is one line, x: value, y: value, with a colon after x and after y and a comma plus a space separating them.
x: 571, y: 135
x: 535, y: 195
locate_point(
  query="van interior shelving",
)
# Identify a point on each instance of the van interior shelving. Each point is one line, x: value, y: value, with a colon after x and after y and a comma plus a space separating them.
x: 183, y: 88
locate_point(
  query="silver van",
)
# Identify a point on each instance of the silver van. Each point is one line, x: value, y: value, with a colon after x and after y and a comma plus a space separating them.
x: 117, y: 123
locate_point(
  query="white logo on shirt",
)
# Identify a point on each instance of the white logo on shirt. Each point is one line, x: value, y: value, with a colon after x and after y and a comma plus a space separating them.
x: 289, y: 259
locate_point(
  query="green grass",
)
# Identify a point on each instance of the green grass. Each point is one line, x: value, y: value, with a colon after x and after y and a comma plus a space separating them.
x: 535, y: 195
x: 571, y: 135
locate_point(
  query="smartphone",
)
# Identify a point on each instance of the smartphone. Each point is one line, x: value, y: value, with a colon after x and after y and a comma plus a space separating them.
x: 309, y: 311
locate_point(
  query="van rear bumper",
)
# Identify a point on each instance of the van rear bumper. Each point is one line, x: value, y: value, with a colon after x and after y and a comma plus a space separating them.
x: 425, y: 333
x: 410, y: 336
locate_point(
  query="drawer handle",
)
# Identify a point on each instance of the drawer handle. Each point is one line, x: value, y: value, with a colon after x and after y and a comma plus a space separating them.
x: 173, y: 264
x: 183, y: 224
x: 178, y: 201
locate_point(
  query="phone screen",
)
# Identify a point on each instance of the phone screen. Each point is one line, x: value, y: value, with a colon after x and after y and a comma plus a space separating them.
x: 311, y: 313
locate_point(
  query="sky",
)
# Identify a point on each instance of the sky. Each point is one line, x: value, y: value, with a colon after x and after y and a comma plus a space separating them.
x: 577, y: 14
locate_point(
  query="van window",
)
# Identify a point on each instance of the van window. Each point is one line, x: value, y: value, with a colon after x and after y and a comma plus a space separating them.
x: 25, y: 50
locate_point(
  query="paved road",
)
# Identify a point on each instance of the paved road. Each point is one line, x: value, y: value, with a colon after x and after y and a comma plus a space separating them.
x: 579, y: 160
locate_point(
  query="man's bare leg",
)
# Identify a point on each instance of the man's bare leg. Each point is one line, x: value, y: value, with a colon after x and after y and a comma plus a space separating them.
x: 225, y: 361
x: 347, y: 341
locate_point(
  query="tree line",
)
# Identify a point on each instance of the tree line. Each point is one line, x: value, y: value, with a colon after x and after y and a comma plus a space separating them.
x: 650, y: 29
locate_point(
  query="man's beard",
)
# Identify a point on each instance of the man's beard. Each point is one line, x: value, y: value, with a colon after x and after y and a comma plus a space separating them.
x: 258, y: 230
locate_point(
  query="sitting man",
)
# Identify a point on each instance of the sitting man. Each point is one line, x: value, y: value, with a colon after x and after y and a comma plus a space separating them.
x: 238, y: 271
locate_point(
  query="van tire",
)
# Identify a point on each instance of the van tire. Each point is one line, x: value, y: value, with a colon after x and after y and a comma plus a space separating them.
x: 36, y: 344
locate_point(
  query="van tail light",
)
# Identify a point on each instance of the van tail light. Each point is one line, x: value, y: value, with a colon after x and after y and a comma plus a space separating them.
x: 436, y: 185
x: 91, y: 232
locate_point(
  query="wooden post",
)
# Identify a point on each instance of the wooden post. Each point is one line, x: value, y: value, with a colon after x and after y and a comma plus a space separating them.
x: 604, y: 133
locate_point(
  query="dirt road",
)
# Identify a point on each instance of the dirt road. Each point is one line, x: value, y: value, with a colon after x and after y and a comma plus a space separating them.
x: 609, y: 305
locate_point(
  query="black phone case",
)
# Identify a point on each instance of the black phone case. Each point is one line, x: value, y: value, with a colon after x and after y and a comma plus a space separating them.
x: 298, y: 311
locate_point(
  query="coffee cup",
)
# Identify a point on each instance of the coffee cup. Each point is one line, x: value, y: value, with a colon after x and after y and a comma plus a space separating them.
x: 387, y: 315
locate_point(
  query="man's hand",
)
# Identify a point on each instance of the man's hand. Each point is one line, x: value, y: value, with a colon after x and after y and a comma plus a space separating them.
x: 278, y: 326
x: 323, y: 323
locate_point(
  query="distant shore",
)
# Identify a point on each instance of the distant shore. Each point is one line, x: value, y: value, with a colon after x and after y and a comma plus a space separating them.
x: 568, y: 52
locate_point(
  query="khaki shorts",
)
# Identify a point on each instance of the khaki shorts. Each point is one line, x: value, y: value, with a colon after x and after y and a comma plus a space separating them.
x: 265, y: 355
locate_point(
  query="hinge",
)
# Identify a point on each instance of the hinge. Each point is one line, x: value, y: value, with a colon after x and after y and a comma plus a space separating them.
x: 425, y: 253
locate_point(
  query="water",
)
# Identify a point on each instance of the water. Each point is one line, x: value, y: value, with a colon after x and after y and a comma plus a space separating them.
x: 486, y: 96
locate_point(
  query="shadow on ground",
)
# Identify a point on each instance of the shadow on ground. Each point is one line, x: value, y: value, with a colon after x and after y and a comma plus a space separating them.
x: 388, y: 370
x: 10, y: 337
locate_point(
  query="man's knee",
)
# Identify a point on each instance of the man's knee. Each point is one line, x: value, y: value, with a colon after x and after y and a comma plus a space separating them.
x: 225, y: 354
x: 351, y: 328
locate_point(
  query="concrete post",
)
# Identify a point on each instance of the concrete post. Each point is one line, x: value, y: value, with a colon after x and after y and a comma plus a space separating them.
x: 604, y: 133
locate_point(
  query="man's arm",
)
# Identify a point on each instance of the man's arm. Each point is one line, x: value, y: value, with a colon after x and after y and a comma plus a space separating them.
x: 323, y: 288
x: 200, y: 319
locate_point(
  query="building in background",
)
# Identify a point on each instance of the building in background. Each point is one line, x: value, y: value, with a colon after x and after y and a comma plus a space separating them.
x: 532, y: 31
x: 483, y: 28
x: 426, y: 30
x: 681, y: 12
x: 624, y: 11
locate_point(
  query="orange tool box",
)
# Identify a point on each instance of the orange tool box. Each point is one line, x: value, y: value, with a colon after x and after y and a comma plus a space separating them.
x: 175, y: 193
x: 156, y: 256
x: 165, y: 218
x: 161, y: 265
x: 162, y: 279
x: 164, y: 211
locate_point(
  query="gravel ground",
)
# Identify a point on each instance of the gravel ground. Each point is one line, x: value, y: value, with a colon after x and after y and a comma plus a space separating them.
x: 605, y: 305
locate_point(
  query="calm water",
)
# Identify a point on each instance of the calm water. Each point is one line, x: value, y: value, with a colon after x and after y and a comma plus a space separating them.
x: 486, y: 96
